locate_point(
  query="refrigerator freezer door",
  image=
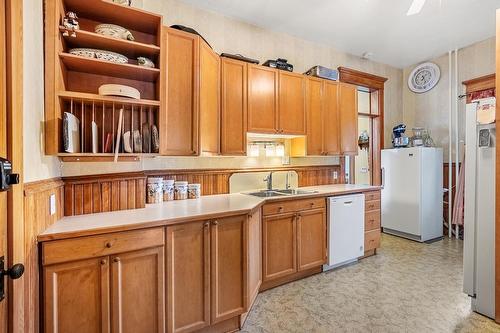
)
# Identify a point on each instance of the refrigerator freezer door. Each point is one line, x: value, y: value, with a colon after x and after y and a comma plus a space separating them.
x: 346, y: 221
x: 401, y: 192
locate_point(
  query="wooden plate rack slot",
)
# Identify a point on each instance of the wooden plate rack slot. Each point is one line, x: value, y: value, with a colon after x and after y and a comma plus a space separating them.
x: 72, y: 81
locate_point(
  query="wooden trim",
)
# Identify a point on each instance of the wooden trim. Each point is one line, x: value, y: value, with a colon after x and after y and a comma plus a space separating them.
x: 289, y: 278
x: 479, y: 83
x: 359, y: 78
x: 15, y: 210
x: 497, y: 181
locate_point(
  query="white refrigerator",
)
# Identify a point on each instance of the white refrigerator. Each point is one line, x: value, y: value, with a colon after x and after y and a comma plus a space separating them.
x: 479, y: 210
x: 412, y: 194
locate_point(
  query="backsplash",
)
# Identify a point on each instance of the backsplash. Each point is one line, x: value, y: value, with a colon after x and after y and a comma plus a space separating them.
x: 241, y: 182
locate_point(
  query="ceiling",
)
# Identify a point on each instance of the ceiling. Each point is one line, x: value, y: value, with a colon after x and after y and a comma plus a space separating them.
x: 377, y: 26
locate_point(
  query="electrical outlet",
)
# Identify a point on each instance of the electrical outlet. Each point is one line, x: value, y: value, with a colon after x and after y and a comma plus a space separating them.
x: 52, y: 204
x: 335, y: 175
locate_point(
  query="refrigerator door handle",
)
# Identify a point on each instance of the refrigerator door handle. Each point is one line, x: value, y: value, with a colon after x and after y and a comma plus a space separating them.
x: 383, y: 178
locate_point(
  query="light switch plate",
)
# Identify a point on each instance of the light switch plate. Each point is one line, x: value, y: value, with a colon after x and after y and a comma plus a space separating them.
x: 335, y: 175
x: 52, y: 204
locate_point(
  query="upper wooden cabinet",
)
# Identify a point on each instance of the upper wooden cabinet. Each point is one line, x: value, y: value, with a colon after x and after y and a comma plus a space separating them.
x: 234, y: 107
x: 276, y: 101
x: 291, y: 106
x: 262, y: 99
x: 348, y: 112
x: 331, y: 138
x: 191, y: 92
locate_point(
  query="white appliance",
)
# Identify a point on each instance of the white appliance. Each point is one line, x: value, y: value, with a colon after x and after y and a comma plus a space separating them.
x: 346, y: 229
x: 479, y: 212
x: 412, y: 193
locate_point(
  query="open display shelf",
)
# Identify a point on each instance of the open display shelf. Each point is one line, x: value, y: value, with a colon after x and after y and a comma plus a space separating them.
x: 73, y: 81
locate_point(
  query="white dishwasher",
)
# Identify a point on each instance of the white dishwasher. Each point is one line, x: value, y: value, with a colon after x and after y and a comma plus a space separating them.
x: 346, y: 229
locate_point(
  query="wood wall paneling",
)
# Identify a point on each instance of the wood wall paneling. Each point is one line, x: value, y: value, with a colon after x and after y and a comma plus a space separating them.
x: 497, y: 181
x: 37, y: 219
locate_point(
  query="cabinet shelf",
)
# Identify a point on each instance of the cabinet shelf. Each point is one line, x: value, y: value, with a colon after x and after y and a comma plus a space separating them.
x: 87, y: 39
x: 86, y: 97
x: 102, y: 67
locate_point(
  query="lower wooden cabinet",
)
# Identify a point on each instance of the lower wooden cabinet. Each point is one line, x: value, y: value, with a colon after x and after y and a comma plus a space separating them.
x: 311, y: 239
x: 207, y: 272
x: 372, y: 222
x: 105, y: 283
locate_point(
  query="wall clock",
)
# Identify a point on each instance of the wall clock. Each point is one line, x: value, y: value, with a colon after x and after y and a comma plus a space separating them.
x: 424, y: 77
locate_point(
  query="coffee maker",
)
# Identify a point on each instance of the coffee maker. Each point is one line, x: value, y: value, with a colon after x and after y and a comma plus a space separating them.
x: 399, y: 139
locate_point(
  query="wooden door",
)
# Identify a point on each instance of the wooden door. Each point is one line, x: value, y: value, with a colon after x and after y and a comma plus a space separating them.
x: 137, y: 292
x: 188, y: 280
x: 279, y: 251
x: 311, y: 239
x: 229, y: 253
x: 234, y: 107
x: 254, y: 256
x: 331, y: 138
x: 262, y: 99
x: 3, y: 153
x: 348, y: 110
x: 209, y: 99
x: 292, y: 110
x: 179, y: 123
x: 314, y: 111
x: 77, y: 296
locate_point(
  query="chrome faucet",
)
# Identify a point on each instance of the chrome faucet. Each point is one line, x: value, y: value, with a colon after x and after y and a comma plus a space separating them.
x: 287, y: 184
x: 269, y: 181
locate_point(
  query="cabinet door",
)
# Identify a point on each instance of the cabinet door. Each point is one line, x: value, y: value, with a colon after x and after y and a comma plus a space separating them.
x: 292, y: 112
x: 179, y: 121
x: 262, y: 99
x: 229, y: 239
x: 314, y: 116
x: 77, y: 296
x: 209, y: 99
x: 348, y: 119
x: 311, y: 238
x: 188, y: 280
x: 234, y: 107
x: 279, y: 246
x: 254, y: 256
x: 330, y: 101
x: 137, y: 294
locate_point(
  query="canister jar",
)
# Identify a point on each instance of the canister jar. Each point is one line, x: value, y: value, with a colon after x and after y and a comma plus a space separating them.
x: 168, y: 189
x: 154, y: 190
x: 194, y: 191
x: 180, y: 190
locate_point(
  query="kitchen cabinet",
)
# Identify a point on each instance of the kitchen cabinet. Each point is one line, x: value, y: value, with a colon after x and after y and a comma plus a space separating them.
x: 262, y: 99
x: 294, y: 239
x: 348, y: 118
x: 106, y: 283
x: 311, y: 238
x: 234, y: 107
x: 254, y: 255
x: 276, y: 101
x: 207, y: 272
x: 291, y: 106
x: 137, y: 291
x: 191, y: 92
x: 372, y: 222
x: 331, y: 139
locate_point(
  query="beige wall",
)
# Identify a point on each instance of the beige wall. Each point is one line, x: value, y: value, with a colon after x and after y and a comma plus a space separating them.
x: 430, y: 110
x: 36, y: 165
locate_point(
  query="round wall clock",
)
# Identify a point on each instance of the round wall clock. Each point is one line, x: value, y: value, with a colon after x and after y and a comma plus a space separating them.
x: 424, y: 77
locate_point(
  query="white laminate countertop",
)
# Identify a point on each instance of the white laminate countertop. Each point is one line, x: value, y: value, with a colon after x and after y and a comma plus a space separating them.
x: 173, y: 212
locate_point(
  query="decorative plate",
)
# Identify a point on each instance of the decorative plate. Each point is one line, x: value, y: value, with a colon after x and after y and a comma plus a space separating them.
x: 424, y: 77
x: 114, y: 30
x: 100, y: 54
x: 123, y: 2
x: 119, y: 90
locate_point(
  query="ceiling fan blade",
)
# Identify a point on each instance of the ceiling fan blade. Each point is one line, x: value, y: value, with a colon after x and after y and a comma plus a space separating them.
x: 415, y: 7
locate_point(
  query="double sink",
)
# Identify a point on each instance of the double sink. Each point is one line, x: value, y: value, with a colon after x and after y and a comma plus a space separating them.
x: 278, y: 193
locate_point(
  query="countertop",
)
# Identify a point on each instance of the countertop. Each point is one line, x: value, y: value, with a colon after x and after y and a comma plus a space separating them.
x: 174, y: 212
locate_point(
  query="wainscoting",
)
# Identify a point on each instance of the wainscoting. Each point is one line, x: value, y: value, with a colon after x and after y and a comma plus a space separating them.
x: 37, y: 218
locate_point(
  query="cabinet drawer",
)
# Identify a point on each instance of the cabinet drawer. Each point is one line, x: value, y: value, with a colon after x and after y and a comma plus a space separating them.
x: 312, y: 203
x: 101, y: 245
x: 370, y: 196
x: 372, y: 205
x: 372, y: 240
x: 292, y: 206
x: 372, y: 220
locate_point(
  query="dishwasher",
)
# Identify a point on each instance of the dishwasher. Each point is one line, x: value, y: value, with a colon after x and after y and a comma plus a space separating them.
x: 346, y: 229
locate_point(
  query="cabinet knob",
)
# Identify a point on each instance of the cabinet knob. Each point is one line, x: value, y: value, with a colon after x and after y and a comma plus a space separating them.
x: 103, y: 262
x: 216, y: 222
x: 206, y: 224
x: 108, y: 244
x: 117, y: 259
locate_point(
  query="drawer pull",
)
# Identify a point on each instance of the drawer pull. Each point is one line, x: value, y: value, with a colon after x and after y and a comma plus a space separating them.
x: 103, y: 262
x: 108, y: 245
x: 280, y: 208
x: 116, y: 259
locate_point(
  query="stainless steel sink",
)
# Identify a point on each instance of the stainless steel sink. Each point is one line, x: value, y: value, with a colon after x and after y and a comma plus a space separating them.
x: 266, y: 194
x: 277, y: 193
